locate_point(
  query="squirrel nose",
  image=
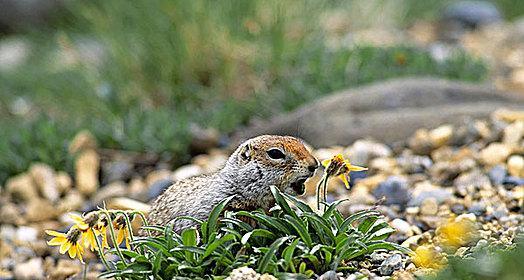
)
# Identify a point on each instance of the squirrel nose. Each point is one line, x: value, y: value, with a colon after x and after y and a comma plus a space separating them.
x: 313, y: 167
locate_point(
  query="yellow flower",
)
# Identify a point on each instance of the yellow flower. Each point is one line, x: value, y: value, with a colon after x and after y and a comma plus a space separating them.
x: 70, y: 242
x: 87, y: 226
x: 123, y: 233
x: 340, y: 167
x: 427, y: 256
x: 456, y: 232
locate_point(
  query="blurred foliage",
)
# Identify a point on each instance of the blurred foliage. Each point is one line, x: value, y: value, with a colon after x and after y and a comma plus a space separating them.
x: 138, y: 73
x: 488, y: 263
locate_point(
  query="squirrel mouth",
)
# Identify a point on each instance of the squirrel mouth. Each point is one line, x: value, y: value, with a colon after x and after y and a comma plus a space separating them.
x: 298, y: 185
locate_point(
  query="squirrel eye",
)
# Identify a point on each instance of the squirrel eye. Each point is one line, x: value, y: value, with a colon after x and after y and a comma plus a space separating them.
x: 275, y: 154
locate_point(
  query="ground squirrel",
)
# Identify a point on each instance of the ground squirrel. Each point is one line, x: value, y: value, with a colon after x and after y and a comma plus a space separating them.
x: 258, y: 163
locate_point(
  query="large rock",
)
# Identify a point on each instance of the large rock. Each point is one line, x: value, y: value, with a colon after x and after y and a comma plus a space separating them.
x: 387, y: 111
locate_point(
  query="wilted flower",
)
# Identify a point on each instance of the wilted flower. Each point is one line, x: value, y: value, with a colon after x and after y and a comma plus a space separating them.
x: 456, y: 232
x: 123, y: 233
x: 340, y: 167
x: 101, y: 228
x: 70, y: 242
x: 428, y: 256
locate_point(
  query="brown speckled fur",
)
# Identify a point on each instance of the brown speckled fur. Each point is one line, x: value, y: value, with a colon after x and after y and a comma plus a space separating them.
x: 248, y: 174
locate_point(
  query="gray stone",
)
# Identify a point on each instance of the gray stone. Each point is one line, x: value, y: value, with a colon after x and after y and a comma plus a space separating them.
x: 32, y: 269
x: 390, y: 265
x: 440, y: 195
x: 158, y: 188
x: 497, y: 174
x: 472, y: 14
x: 387, y: 111
x: 394, y: 190
x: 117, y: 170
x: 329, y: 275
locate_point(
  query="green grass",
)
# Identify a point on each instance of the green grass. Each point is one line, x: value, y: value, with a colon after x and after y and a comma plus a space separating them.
x: 168, y: 64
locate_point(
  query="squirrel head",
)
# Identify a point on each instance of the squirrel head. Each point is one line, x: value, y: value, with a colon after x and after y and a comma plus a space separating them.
x: 266, y: 160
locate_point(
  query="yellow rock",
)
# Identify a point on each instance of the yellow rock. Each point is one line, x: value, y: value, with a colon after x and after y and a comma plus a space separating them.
x: 87, y: 166
x: 516, y: 166
x: 440, y: 136
x: 495, y: 153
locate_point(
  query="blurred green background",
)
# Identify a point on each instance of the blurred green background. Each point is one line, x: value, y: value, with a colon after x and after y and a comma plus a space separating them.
x: 138, y: 74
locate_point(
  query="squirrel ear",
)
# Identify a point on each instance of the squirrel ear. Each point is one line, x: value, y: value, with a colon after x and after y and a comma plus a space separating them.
x: 245, y: 152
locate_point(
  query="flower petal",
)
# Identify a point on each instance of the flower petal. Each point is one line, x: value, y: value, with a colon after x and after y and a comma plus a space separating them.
x: 344, y: 179
x: 64, y: 247
x: 55, y: 233
x: 326, y: 162
x: 356, y: 168
x: 120, y: 236
x: 72, y: 252
x: 55, y: 241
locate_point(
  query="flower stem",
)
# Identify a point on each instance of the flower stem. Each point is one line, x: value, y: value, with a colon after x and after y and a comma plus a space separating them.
x: 112, y: 234
x: 100, y: 251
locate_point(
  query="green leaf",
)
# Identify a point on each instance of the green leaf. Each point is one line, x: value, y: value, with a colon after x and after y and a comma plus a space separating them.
x: 356, y: 217
x: 212, y: 221
x: 301, y: 229
x: 281, y: 201
x: 217, y: 243
x: 257, y: 233
x: 264, y: 262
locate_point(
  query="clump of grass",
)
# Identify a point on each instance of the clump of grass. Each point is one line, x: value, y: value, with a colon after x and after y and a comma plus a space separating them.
x: 285, y: 242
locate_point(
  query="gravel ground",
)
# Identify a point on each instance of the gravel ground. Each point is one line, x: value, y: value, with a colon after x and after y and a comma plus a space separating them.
x: 445, y: 176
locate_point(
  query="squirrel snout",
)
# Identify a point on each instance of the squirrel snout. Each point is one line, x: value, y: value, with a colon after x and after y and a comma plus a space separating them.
x: 313, y: 166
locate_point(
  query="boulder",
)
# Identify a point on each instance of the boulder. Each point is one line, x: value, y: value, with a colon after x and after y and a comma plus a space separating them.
x: 387, y: 111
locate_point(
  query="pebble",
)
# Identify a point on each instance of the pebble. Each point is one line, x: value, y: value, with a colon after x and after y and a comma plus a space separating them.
x: 72, y: 201
x: 86, y: 172
x: 157, y: 175
x: 63, y: 182
x: 391, y: 264
x: 513, y: 133
x: 243, y: 273
x: 362, y: 151
x: 120, y: 170
x: 32, y: 269
x: 40, y: 210
x: 511, y: 181
x: 494, y: 154
x: 497, y: 174
x: 429, y: 206
x: 114, y: 189
x: 26, y: 234
x: 402, y: 227
x: 425, y: 190
x: 395, y: 191
x: 10, y: 214
x: 472, y: 14
x: 440, y: 136
x: 516, y: 166
x: 420, y: 142
x: 82, y: 141
x: 44, y: 178
x: 21, y: 188
x: 477, y: 208
x: 329, y: 275
x: 158, y: 188
x: 187, y: 171
x: 124, y: 203
x: 65, y: 269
